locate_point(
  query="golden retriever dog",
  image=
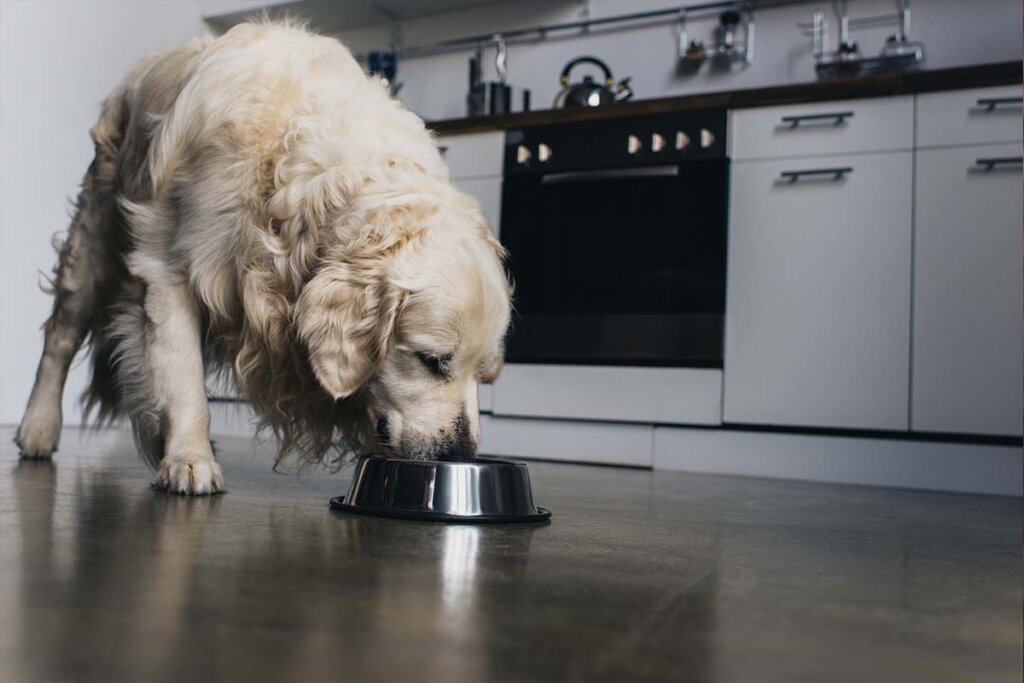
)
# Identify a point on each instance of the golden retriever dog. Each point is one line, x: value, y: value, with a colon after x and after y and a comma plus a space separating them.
x: 259, y: 207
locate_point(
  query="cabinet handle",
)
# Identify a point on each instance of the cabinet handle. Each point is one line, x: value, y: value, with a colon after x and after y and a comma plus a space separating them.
x: 443, y: 149
x: 837, y: 173
x: 990, y: 103
x: 839, y: 118
x: 991, y: 163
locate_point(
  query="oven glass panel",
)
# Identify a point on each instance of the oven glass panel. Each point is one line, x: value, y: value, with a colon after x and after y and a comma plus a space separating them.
x: 647, y: 240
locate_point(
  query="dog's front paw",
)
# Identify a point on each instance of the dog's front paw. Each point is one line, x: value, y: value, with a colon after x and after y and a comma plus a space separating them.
x: 190, y: 475
x: 38, y: 434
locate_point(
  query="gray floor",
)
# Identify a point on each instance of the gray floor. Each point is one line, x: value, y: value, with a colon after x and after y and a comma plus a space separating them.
x: 641, y: 576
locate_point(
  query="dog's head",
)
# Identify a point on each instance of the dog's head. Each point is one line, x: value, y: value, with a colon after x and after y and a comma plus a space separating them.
x: 410, y: 313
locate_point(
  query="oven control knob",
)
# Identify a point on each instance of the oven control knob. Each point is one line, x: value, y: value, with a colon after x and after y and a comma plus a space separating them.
x: 633, y: 144
x: 707, y: 138
x: 682, y: 140
x: 657, y: 143
x: 543, y: 152
x: 523, y: 154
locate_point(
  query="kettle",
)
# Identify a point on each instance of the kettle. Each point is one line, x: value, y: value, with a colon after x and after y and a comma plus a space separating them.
x: 590, y: 93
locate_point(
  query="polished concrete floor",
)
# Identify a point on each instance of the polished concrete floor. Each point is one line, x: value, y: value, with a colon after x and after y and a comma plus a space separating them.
x: 640, y: 576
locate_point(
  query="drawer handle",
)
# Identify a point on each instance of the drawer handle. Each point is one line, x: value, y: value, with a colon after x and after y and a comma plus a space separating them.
x: 990, y: 103
x: 991, y: 163
x: 837, y: 173
x: 838, y: 117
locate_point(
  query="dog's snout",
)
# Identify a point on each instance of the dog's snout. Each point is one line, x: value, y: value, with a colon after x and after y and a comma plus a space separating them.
x: 459, y: 447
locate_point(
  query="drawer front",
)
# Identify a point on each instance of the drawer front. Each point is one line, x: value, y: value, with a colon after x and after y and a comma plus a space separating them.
x: 487, y: 191
x: 818, y: 295
x: 608, y: 444
x: 473, y: 155
x: 967, y: 117
x: 840, y: 127
x: 485, y: 397
x: 622, y: 394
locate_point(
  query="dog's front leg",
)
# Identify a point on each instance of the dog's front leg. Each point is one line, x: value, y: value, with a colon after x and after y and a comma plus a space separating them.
x: 175, y: 362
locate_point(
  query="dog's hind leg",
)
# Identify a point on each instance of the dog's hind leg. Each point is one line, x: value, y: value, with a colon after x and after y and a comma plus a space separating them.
x: 80, y: 270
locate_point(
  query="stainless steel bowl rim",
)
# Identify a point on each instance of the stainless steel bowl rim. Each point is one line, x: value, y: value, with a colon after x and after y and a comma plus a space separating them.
x: 484, y: 490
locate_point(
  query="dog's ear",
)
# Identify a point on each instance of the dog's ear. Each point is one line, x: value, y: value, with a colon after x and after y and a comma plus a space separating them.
x: 345, y: 316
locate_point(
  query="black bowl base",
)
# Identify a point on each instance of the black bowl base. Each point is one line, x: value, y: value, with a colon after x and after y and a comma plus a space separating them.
x: 338, y: 503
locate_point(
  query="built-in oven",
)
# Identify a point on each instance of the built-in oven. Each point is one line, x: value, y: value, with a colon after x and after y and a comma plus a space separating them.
x: 616, y: 231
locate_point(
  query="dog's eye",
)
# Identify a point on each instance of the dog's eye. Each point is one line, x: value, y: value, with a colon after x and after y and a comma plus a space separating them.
x: 437, y: 366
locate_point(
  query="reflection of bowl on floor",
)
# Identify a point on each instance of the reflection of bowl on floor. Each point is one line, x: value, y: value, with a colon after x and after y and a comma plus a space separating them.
x: 485, y: 490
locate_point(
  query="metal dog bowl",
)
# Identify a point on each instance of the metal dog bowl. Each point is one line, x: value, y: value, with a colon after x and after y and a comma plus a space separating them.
x: 485, y: 490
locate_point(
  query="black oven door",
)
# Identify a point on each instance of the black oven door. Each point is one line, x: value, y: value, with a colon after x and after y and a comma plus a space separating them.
x: 619, y: 266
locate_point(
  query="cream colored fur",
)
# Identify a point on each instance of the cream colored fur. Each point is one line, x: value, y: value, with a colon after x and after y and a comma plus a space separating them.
x: 280, y: 218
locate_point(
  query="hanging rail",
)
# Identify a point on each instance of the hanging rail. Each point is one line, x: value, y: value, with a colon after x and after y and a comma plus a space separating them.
x: 536, y: 33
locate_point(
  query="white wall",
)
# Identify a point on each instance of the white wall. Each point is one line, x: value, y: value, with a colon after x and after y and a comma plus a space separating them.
x: 956, y: 32
x: 57, y: 62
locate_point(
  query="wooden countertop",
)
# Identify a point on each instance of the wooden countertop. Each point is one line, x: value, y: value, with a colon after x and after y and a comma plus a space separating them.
x: 1002, y: 73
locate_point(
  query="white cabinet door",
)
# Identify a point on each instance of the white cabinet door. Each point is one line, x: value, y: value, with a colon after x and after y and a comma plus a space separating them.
x: 818, y: 295
x: 487, y: 191
x: 473, y: 155
x: 968, y: 294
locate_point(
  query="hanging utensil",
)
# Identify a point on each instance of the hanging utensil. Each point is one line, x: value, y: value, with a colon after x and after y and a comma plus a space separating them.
x: 500, y: 93
x: 691, y: 54
x: 476, y: 97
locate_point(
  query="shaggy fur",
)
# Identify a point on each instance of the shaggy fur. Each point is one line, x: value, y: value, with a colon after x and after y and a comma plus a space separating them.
x: 258, y: 207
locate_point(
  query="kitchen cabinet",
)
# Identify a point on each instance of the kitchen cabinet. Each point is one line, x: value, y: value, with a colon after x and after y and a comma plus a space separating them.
x: 485, y: 397
x: 622, y: 394
x: 487, y: 191
x: 593, y: 442
x: 972, y: 116
x: 846, y: 459
x: 812, y: 129
x: 473, y: 155
x: 883, y: 296
x: 968, y: 292
x: 818, y: 294
x: 475, y: 163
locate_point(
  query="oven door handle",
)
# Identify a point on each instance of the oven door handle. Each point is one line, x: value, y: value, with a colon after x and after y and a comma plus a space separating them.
x: 609, y: 174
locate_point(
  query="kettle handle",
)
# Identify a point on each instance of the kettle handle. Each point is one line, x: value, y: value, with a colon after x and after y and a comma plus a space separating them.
x: 608, y: 79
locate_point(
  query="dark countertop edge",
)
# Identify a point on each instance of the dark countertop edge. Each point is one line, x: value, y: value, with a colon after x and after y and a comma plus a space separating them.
x: 979, y: 76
